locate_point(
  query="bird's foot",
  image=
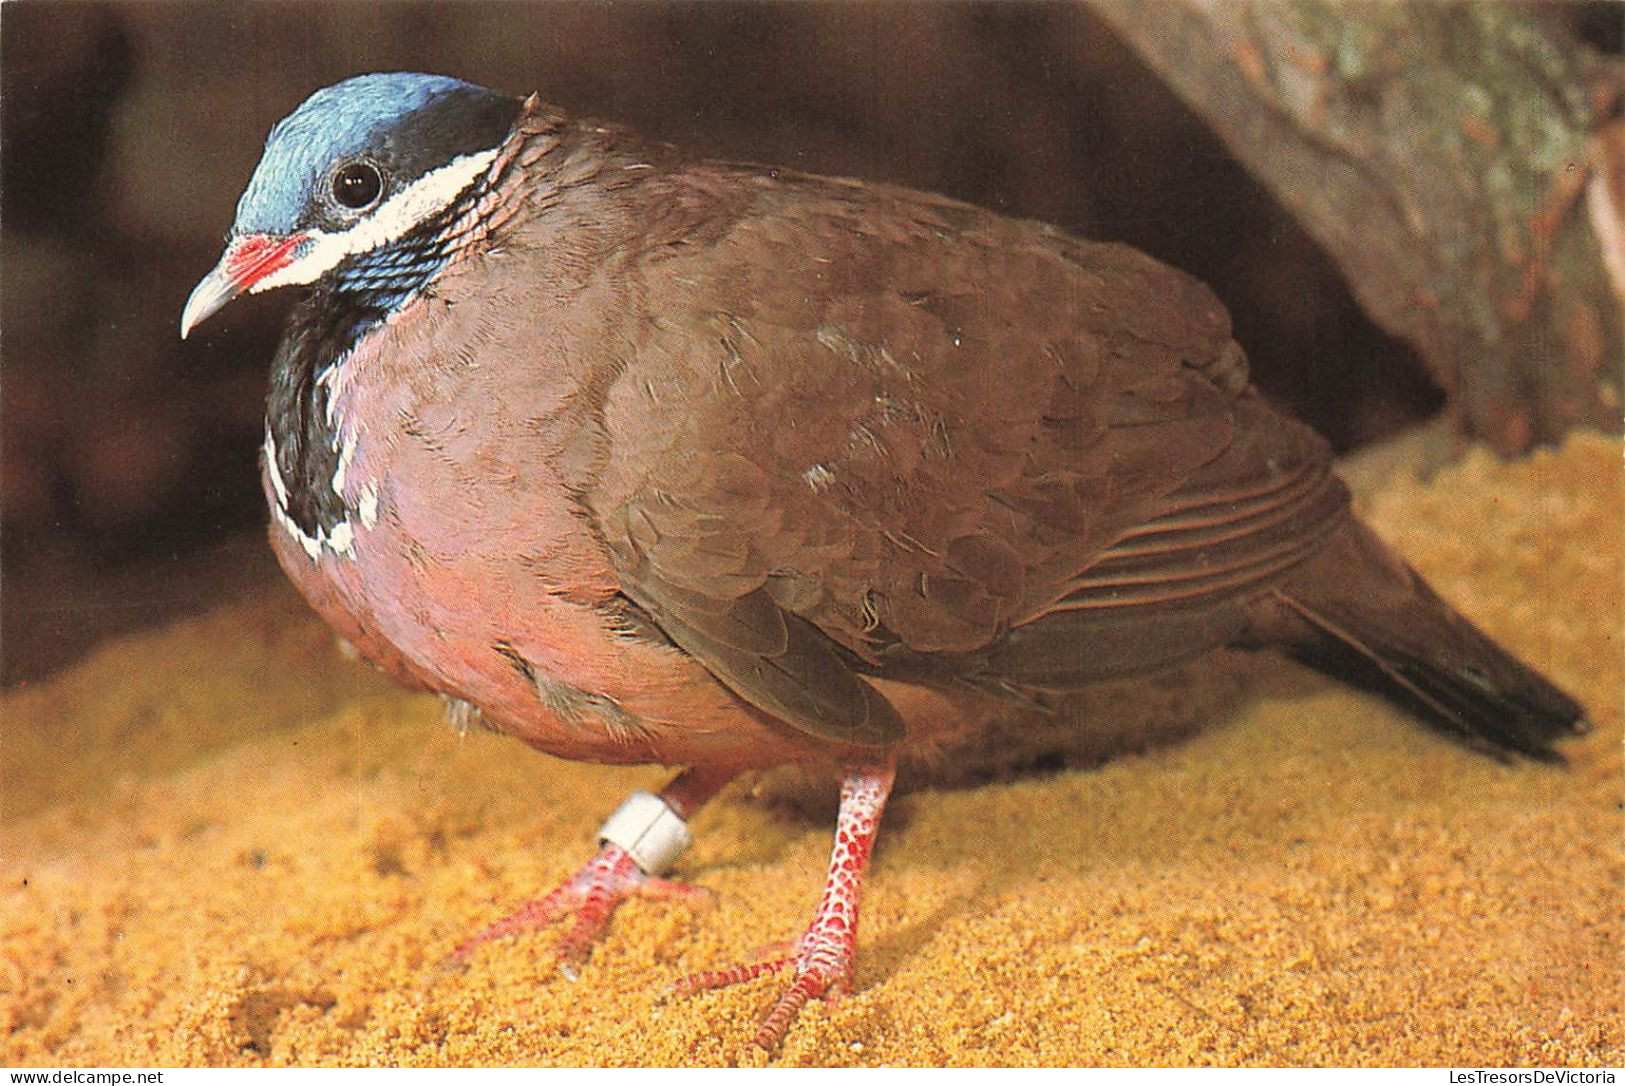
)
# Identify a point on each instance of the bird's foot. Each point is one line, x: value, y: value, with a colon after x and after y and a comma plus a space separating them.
x: 823, y: 961
x: 592, y: 894
x: 823, y: 957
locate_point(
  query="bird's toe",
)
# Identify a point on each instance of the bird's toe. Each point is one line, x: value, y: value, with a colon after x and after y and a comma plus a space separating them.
x: 823, y: 970
x: 590, y: 897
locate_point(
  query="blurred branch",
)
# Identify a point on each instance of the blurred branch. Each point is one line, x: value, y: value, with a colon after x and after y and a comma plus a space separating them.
x: 1441, y: 154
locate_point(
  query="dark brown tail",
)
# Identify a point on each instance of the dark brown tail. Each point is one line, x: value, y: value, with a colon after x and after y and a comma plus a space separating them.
x: 1356, y: 612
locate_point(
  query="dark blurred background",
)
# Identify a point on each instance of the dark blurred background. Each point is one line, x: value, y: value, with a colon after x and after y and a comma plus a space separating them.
x: 128, y: 489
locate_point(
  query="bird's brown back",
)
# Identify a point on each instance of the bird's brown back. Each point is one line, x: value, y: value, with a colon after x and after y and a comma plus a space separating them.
x: 848, y: 428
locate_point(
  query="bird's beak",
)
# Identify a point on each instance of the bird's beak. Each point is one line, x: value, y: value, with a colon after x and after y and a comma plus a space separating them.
x: 248, y: 260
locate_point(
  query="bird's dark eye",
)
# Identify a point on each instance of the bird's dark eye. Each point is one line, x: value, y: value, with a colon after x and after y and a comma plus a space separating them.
x: 357, y: 185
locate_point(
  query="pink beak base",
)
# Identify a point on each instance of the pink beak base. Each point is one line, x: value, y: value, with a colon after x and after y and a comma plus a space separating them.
x: 247, y: 260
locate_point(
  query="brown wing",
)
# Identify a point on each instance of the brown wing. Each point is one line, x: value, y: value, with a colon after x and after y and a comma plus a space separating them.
x: 862, y: 429
x: 775, y: 660
x: 1167, y: 588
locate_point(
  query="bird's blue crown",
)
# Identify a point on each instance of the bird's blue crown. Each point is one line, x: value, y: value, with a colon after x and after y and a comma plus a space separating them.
x: 408, y: 123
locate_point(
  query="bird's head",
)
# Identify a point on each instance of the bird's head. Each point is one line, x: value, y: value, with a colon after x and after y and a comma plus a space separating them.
x: 357, y: 166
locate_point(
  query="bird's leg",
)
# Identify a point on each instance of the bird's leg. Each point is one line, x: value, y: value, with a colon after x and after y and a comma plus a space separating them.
x: 823, y: 956
x: 637, y: 844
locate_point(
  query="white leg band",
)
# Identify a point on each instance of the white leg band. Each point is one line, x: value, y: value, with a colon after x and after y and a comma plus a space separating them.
x: 648, y: 830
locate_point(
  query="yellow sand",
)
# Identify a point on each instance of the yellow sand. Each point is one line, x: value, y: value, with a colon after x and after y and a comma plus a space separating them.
x: 226, y: 845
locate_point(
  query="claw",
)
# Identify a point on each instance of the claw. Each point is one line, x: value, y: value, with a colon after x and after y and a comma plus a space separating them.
x: 811, y: 982
x: 592, y: 894
x: 806, y: 986
x: 823, y: 956
x: 608, y: 879
x: 707, y: 979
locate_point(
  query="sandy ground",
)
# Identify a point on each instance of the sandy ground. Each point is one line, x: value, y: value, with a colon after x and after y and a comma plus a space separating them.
x: 224, y: 844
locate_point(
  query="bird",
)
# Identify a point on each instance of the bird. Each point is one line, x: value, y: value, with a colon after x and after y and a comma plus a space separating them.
x: 642, y: 458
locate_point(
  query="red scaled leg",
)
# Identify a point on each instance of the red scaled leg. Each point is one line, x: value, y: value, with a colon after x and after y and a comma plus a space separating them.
x: 823, y: 956
x: 608, y: 879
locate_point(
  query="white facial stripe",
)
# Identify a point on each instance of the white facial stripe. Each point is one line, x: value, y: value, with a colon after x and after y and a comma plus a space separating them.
x: 429, y: 194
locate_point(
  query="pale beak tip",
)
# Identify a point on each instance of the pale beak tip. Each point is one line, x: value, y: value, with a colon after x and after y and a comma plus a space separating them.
x: 207, y: 299
x: 251, y: 262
